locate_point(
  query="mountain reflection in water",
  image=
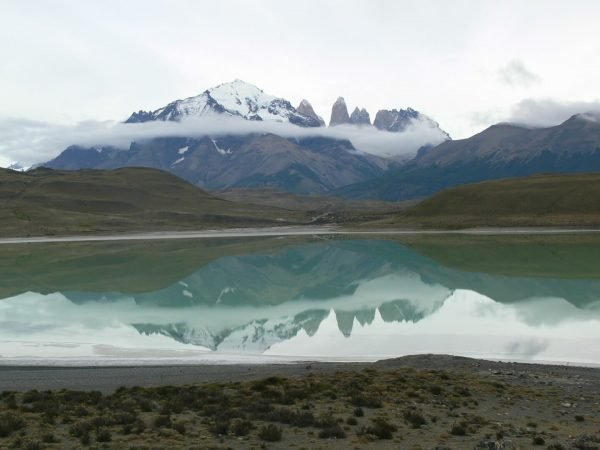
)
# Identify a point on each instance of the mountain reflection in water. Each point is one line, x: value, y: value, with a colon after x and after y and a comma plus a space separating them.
x: 289, y: 298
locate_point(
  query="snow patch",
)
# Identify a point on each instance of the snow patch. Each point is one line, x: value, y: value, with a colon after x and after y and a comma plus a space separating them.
x: 182, y: 150
x: 220, y: 150
x: 224, y: 291
x: 178, y: 161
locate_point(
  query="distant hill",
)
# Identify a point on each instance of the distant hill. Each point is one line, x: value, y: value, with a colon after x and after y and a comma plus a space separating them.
x: 501, y: 151
x: 44, y: 201
x: 540, y: 200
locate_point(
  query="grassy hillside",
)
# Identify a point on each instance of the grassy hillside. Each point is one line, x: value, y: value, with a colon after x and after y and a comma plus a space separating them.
x: 45, y: 202
x: 540, y: 200
x: 322, y: 208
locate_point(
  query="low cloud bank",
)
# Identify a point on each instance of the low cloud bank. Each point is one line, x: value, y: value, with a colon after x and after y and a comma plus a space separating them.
x: 31, y: 142
x: 549, y: 112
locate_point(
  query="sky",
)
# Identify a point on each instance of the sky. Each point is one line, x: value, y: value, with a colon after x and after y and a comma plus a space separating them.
x: 466, y: 64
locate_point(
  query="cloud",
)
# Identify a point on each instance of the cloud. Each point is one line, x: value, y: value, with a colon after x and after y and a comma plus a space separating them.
x: 32, y: 142
x: 549, y: 112
x: 517, y: 75
x: 527, y: 348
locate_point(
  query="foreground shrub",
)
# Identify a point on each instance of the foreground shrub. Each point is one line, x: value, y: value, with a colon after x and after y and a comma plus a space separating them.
x: 367, y: 400
x: 458, y: 430
x: 415, y: 419
x: 241, y: 427
x: 270, y: 433
x: 103, y: 435
x: 219, y: 427
x: 162, y: 421
x: 332, y: 432
x: 9, y: 423
x: 538, y: 440
x: 380, y: 428
x: 179, y: 427
x: 358, y: 412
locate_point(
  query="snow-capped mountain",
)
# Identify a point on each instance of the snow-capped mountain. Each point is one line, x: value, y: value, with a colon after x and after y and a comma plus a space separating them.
x: 237, y: 98
x: 303, y: 164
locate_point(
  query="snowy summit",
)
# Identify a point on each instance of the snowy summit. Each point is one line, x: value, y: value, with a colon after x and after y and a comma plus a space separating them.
x: 236, y: 98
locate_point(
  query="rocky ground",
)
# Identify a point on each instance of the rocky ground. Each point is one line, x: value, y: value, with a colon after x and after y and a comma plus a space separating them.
x: 418, y: 402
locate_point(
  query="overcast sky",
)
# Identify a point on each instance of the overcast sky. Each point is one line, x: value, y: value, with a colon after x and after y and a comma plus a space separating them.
x: 467, y: 64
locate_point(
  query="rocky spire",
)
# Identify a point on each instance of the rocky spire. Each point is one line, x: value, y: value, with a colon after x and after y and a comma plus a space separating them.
x: 339, y: 113
x: 306, y: 109
x: 360, y: 117
x: 395, y: 120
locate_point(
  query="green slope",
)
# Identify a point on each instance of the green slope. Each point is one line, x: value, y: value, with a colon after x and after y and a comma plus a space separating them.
x: 44, y: 202
x: 540, y: 200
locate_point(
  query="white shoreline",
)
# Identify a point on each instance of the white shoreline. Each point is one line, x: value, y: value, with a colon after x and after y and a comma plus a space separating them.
x: 285, y: 231
x: 255, y: 360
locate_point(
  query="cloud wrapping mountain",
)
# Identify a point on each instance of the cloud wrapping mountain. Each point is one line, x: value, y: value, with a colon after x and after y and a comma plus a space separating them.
x: 548, y: 112
x: 31, y: 142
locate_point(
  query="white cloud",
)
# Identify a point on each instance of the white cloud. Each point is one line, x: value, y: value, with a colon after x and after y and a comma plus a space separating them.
x: 517, y: 75
x: 31, y: 142
x: 73, y: 60
x: 548, y: 112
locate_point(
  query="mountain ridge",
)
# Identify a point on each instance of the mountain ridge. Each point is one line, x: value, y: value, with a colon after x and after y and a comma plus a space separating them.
x: 500, y: 151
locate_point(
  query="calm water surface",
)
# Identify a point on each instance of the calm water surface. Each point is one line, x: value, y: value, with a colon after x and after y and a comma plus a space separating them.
x: 298, y: 298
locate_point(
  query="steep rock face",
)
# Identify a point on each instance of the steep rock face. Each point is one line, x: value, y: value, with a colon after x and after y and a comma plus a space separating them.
x: 310, y: 165
x: 394, y: 120
x: 360, y: 117
x: 237, y: 99
x: 306, y: 109
x: 339, y: 113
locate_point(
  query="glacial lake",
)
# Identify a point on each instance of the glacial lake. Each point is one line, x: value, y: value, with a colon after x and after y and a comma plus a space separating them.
x: 272, y: 299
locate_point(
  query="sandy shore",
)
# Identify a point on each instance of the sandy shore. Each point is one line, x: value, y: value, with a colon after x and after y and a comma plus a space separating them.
x: 285, y: 231
x: 108, y: 379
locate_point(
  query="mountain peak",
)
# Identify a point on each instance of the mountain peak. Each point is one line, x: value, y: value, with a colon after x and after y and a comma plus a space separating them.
x: 339, y: 113
x: 236, y: 98
x: 587, y: 117
x: 306, y: 109
x: 394, y: 119
x: 360, y: 117
x: 239, y: 88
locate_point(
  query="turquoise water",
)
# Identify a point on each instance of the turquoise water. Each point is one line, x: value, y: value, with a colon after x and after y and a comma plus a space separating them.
x: 300, y: 298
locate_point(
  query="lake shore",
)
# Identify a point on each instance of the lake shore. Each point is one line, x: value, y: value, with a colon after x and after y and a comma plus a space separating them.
x: 289, y: 231
x: 109, y: 378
